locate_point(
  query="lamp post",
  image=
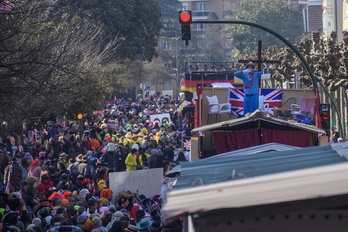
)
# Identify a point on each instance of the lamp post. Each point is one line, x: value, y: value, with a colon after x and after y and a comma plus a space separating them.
x: 176, y: 67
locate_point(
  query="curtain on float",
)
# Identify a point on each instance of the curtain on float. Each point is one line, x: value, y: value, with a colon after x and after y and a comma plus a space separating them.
x: 234, y: 140
x: 293, y: 138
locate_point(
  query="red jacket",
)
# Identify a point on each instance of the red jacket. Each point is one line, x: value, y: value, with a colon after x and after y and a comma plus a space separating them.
x: 43, y: 187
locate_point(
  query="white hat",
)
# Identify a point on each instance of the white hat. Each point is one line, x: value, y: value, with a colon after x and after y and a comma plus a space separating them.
x: 83, y: 193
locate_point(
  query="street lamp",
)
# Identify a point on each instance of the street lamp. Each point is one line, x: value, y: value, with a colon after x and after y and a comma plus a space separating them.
x: 176, y: 69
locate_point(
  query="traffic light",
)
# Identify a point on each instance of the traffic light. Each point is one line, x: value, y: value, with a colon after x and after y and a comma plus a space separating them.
x: 79, y: 116
x: 185, y: 18
x: 325, y: 118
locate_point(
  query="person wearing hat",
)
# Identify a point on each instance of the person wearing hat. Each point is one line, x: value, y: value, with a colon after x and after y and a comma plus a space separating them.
x: 115, y: 217
x: 62, y: 157
x: 131, y: 228
x: 93, y: 203
x: 139, y: 137
x: 101, y: 184
x: 145, y: 224
x: 81, y: 222
x: 251, y: 86
x: 110, y: 155
x: 129, y: 139
x: 82, y: 166
x: 115, y: 135
x: 87, y: 184
x: 69, y: 214
x: 35, y: 170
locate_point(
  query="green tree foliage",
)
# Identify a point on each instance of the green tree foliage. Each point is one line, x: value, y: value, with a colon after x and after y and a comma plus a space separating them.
x: 137, y: 22
x: 274, y: 14
x: 157, y: 73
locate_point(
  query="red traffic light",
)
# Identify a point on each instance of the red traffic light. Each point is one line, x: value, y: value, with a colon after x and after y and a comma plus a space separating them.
x: 325, y: 116
x: 185, y: 17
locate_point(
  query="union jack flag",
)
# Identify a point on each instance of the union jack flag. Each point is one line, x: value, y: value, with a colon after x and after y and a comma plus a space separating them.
x: 236, y: 97
x: 201, y: 134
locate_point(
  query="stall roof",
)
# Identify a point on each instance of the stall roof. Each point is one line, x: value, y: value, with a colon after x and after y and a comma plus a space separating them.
x: 265, y: 178
x: 258, y: 117
x: 225, y: 168
x: 268, y: 147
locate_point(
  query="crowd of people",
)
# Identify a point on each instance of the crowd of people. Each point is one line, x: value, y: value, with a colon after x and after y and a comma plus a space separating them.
x: 206, y: 69
x: 58, y: 176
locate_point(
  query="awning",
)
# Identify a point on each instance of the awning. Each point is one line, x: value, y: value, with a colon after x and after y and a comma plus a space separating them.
x: 311, y: 183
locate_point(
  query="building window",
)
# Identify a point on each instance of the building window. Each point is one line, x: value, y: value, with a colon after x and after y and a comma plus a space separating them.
x: 166, y: 46
x: 201, y: 6
x: 167, y: 63
x: 184, y: 6
x: 200, y: 27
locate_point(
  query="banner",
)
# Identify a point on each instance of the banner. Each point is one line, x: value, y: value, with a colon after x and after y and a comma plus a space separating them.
x: 147, y: 182
x: 160, y: 118
x: 273, y: 97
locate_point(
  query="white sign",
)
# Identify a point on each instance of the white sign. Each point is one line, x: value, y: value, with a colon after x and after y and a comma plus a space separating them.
x: 147, y: 182
x: 159, y: 118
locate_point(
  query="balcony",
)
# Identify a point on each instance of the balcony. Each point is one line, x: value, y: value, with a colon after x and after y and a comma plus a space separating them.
x: 200, y: 13
x: 301, y: 2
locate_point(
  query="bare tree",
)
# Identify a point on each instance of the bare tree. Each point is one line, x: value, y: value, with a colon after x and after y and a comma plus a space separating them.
x: 48, y: 62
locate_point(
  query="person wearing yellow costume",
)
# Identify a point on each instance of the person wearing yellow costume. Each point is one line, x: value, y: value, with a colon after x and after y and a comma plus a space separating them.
x: 101, y: 184
x: 103, y: 126
x: 129, y: 139
x: 121, y: 141
x: 158, y: 136
x: 131, y: 161
x: 137, y: 139
x: 143, y: 158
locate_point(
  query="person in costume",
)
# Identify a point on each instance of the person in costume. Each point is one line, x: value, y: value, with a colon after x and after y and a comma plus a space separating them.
x: 131, y: 161
x: 251, y: 86
x: 45, y: 184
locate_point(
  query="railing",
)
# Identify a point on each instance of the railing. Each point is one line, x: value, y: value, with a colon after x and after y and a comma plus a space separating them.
x: 200, y: 13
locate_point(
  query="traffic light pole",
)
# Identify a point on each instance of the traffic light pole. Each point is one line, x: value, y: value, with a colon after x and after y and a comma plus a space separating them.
x: 340, y: 126
x: 293, y: 48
